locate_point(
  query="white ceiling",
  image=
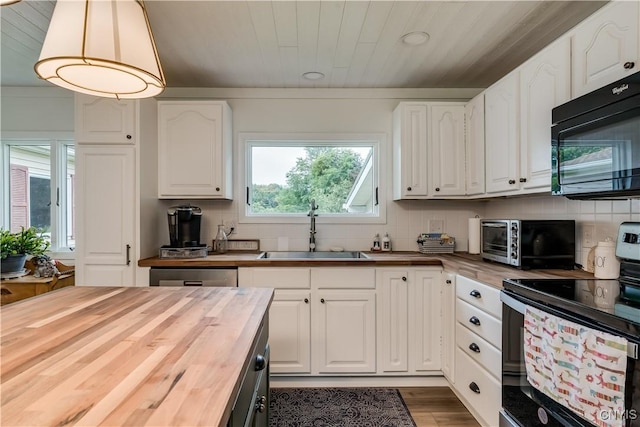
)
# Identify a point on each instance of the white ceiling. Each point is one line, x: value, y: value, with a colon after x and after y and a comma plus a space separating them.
x: 355, y: 43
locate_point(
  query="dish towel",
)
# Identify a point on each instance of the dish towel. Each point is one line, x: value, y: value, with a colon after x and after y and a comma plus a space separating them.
x: 578, y: 367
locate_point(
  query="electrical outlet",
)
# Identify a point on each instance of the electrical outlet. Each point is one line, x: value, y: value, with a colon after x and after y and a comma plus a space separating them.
x: 588, y: 235
x: 436, y: 226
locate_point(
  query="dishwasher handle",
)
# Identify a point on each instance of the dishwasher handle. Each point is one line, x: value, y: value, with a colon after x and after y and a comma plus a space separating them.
x: 192, y: 282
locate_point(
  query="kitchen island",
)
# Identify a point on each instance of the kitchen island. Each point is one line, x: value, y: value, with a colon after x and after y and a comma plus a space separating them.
x: 130, y: 356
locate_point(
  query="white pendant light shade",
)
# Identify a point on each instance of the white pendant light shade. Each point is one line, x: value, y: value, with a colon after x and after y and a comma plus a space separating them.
x: 102, y: 48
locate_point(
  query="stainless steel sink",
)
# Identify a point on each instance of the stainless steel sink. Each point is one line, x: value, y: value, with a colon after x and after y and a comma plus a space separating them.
x: 311, y: 255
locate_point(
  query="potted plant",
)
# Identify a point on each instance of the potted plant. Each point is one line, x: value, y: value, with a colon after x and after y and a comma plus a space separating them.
x: 15, y: 247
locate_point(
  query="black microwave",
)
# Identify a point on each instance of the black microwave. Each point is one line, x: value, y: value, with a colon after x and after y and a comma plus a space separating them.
x: 595, y: 143
x: 529, y: 243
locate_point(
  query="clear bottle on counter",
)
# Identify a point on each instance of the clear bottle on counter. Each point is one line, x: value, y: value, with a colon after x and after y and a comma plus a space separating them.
x: 376, y: 243
x: 386, y: 243
x: 221, y: 240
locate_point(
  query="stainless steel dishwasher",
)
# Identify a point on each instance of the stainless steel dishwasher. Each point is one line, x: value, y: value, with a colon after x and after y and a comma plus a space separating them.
x: 193, y: 277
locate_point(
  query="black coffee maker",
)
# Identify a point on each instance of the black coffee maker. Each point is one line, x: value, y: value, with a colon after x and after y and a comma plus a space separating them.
x: 184, y: 226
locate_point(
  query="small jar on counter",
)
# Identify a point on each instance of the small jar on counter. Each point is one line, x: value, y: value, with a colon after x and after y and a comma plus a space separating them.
x: 606, y: 265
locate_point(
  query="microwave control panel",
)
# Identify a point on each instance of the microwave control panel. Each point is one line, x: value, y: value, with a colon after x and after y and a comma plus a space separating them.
x: 515, y: 244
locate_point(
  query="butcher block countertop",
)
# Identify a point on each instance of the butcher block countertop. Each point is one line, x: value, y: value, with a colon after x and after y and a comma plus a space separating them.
x: 127, y: 356
x: 468, y: 265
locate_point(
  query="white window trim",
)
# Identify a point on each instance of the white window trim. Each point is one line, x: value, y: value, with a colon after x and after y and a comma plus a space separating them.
x: 379, y: 142
x: 57, y: 140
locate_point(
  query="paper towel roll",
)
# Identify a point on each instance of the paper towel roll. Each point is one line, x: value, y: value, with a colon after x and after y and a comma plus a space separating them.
x: 474, y: 235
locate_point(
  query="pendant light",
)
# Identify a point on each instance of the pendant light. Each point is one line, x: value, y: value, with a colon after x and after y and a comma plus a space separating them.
x: 101, y: 48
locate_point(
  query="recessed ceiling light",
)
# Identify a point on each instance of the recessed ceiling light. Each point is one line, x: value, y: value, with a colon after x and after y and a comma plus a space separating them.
x: 415, y: 38
x: 313, y: 75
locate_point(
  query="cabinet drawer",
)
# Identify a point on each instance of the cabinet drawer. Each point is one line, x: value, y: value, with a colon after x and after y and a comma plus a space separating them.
x: 343, y: 278
x: 274, y: 277
x: 487, y: 399
x: 481, y: 323
x: 482, y: 296
x: 480, y: 350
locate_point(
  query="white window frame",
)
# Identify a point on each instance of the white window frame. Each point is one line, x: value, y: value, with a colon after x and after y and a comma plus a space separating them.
x: 249, y: 139
x: 58, y: 143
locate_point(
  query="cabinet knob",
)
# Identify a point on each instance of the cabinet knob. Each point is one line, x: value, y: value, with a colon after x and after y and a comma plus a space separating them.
x: 261, y: 362
x: 306, y: 300
x: 448, y: 281
x: 437, y: 188
x: 408, y: 188
x: 322, y: 300
x: 475, y: 294
x: 629, y: 65
x: 474, y: 320
x: 261, y: 407
x: 474, y: 387
x: 523, y: 179
x: 404, y: 279
x: 128, y: 136
x: 217, y: 188
x: 512, y: 181
x: 474, y: 347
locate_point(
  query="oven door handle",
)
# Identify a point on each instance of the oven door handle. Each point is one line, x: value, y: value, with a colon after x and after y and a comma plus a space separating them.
x: 512, y: 302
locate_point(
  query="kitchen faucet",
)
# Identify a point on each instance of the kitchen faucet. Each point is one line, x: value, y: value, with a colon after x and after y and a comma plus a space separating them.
x: 312, y: 232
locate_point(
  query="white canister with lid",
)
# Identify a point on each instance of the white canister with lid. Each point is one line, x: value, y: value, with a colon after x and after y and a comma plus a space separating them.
x: 606, y: 265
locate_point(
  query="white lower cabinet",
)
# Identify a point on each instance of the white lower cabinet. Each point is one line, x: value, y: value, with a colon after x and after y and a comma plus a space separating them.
x: 448, y: 325
x: 409, y: 320
x: 290, y: 331
x: 478, y: 357
x: 340, y: 321
x: 344, y: 331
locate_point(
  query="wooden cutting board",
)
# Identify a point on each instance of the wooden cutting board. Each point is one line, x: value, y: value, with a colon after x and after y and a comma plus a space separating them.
x: 127, y: 356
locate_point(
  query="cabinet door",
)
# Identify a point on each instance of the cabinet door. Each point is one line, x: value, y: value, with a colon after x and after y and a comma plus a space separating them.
x: 104, y: 120
x: 410, y: 151
x: 544, y: 84
x: 344, y: 332
x: 501, y: 131
x: 290, y: 332
x: 446, y: 161
x: 426, y: 326
x: 393, y: 319
x: 106, y: 212
x: 448, y: 326
x: 603, y: 44
x: 474, y: 153
x: 194, y: 149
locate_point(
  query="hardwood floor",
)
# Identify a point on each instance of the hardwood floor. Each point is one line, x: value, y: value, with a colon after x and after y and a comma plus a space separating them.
x: 435, y: 407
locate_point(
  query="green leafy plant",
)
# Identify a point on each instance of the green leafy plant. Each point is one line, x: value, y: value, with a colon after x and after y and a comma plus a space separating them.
x: 27, y: 241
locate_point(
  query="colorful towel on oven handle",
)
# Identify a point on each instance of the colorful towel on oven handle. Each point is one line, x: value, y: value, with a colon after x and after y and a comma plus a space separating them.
x: 580, y: 368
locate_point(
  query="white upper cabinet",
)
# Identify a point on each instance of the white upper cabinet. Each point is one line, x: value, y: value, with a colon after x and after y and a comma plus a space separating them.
x: 474, y: 152
x: 104, y: 120
x: 410, y: 151
x: 428, y: 150
x: 194, y: 150
x: 604, y: 46
x: 502, y: 156
x: 544, y: 84
x: 446, y: 149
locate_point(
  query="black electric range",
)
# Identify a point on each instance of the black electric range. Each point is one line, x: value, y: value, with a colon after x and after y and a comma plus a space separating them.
x: 595, y: 300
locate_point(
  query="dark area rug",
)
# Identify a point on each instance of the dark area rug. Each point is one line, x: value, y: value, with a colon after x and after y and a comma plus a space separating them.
x: 343, y: 407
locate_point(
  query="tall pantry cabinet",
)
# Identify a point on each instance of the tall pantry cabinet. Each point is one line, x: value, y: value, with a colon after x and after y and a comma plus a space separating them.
x: 111, y: 154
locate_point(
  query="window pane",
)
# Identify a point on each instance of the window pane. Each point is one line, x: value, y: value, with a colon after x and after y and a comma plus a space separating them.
x: 286, y: 177
x: 30, y: 187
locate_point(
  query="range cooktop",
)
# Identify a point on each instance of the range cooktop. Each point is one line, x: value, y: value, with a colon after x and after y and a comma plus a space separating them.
x: 594, y: 299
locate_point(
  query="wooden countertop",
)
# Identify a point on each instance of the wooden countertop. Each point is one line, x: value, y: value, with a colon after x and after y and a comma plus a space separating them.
x: 127, y: 356
x: 471, y: 266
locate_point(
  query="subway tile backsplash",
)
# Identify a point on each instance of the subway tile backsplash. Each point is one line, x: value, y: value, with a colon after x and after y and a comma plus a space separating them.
x: 407, y: 219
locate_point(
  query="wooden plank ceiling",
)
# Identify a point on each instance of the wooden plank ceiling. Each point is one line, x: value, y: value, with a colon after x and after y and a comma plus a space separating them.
x: 355, y: 44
